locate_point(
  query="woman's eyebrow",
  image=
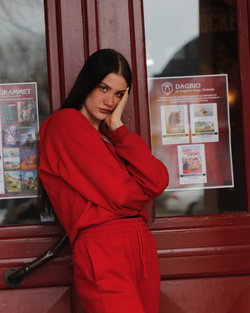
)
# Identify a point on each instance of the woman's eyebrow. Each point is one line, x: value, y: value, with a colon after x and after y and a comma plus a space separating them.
x: 111, y: 88
x: 105, y: 85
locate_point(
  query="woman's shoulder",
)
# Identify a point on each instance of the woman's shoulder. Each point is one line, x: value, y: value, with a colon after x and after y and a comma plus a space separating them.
x: 68, y: 117
x: 67, y: 122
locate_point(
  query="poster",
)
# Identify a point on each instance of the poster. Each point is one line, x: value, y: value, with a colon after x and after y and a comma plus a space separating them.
x: 18, y: 140
x: 192, y: 164
x: 204, y: 122
x: 174, y: 123
x: 11, y: 159
x: 29, y: 181
x: 190, y: 115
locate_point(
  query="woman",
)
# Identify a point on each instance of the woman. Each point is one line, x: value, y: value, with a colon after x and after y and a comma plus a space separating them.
x: 174, y: 123
x: 99, y: 177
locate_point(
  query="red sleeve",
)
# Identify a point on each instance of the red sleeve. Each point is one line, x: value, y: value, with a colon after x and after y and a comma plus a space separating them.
x: 90, y: 168
x: 150, y: 173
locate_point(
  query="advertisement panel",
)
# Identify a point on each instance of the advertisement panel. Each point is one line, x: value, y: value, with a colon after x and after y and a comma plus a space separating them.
x: 18, y: 138
x: 190, y: 130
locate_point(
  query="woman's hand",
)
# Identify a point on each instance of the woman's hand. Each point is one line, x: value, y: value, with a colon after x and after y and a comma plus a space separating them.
x: 113, y: 120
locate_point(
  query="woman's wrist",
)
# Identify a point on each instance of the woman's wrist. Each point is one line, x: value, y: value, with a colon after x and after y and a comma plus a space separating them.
x: 114, y: 126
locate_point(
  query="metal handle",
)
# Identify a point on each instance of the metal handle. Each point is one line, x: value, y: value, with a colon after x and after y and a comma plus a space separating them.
x: 13, y: 277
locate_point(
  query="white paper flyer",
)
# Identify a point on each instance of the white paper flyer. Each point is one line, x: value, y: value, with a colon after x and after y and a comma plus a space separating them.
x: 204, y: 122
x: 174, y: 124
x: 192, y: 164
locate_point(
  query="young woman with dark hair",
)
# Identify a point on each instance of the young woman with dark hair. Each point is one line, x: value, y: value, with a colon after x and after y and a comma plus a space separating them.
x: 99, y: 177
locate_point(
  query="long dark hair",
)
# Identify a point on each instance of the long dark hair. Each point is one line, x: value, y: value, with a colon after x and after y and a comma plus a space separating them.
x: 97, y: 67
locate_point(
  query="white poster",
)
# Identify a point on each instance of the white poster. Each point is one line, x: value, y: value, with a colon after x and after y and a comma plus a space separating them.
x: 204, y: 122
x: 192, y: 113
x: 192, y: 164
x: 174, y: 124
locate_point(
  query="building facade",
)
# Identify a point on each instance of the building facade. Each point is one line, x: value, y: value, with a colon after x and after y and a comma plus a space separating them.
x: 186, y: 57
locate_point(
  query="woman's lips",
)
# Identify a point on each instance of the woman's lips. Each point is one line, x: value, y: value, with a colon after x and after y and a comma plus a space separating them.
x: 104, y: 111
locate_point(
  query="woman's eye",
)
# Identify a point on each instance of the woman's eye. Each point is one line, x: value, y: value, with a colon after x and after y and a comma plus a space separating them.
x: 103, y: 88
x: 120, y: 95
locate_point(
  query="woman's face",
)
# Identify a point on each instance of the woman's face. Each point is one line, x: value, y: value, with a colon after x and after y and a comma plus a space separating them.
x: 178, y: 118
x: 196, y: 162
x: 104, y: 98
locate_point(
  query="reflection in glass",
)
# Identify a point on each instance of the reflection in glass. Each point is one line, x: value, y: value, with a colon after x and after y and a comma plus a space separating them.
x: 198, y: 37
x: 23, y: 59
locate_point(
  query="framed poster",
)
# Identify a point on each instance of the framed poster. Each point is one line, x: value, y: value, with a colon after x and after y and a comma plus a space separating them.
x: 190, y: 127
x: 18, y: 140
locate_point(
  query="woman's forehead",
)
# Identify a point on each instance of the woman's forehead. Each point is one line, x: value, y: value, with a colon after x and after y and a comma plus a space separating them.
x: 115, y: 81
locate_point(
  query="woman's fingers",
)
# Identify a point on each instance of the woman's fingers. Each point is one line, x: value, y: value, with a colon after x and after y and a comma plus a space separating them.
x: 113, y: 120
x: 122, y: 103
x: 125, y: 96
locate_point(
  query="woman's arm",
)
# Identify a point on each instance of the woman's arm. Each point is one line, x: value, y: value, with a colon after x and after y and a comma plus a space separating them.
x: 150, y: 173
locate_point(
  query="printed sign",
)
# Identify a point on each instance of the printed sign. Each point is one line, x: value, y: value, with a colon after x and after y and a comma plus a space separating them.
x: 192, y: 164
x: 18, y: 138
x: 174, y: 124
x: 204, y: 122
x: 190, y: 115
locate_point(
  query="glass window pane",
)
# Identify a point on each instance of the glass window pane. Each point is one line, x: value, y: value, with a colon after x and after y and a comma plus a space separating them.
x: 198, y: 38
x: 23, y: 60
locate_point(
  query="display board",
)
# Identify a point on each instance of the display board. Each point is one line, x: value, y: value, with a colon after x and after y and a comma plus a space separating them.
x: 18, y: 140
x: 190, y: 130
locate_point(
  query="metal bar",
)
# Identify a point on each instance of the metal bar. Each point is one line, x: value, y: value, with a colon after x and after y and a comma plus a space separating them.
x: 13, y: 277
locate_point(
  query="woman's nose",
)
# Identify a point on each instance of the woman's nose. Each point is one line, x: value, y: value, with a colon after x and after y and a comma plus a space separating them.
x: 109, y: 100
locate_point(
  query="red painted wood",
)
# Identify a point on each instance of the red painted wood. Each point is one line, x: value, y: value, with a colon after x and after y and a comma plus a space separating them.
x: 202, y: 237
x: 244, y: 62
x: 61, y: 258
x: 48, y: 300
x: 204, y: 252
x: 205, y: 266
x: 52, y: 54
x: 217, y: 295
x: 26, y: 247
x: 92, y: 26
x: 216, y: 220
x: 86, y: 38
x: 139, y: 68
x: 248, y: 5
x: 134, y: 69
x: 72, y: 53
x: 28, y: 231
x: 113, y: 31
